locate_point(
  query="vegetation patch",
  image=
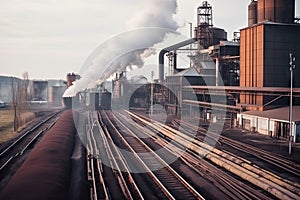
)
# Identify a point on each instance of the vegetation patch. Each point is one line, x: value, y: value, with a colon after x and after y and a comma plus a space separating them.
x: 6, y: 123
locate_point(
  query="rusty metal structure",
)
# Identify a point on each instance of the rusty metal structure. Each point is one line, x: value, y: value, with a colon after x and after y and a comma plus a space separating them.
x: 204, y: 24
x: 206, y: 34
x: 71, y: 77
x: 281, y: 11
x: 265, y: 46
x: 252, y: 13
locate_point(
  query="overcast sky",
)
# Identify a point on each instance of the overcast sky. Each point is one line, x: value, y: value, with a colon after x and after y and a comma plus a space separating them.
x: 50, y: 38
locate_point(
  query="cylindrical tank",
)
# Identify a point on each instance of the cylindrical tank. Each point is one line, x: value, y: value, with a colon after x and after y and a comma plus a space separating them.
x: 218, y: 35
x: 269, y: 9
x: 285, y: 11
x: 260, y: 11
x: 55, y: 95
x: 281, y: 11
x: 252, y: 13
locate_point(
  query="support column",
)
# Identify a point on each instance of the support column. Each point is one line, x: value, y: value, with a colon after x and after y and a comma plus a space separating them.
x: 217, y: 71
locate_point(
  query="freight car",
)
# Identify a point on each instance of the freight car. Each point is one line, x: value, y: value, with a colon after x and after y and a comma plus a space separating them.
x: 71, y: 101
x: 67, y: 101
x: 94, y: 101
x: 89, y: 99
x: 46, y: 173
x: 105, y: 103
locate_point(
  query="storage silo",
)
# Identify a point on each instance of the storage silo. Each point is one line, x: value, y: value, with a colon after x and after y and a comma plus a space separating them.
x: 281, y: 11
x: 218, y: 34
x: 260, y: 11
x: 56, y: 95
x: 284, y: 11
x: 252, y: 13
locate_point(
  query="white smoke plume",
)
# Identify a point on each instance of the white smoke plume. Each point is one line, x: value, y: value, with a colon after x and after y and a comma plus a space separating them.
x: 139, y: 79
x: 148, y: 27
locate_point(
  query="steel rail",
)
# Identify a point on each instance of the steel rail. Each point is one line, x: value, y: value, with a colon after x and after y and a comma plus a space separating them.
x: 23, y: 137
x: 91, y: 150
x: 271, y: 158
x: 224, y: 160
x: 116, y: 155
x: 167, y: 166
x: 227, y: 184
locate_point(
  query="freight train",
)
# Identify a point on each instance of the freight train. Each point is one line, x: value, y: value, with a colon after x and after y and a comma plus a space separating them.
x: 96, y: 101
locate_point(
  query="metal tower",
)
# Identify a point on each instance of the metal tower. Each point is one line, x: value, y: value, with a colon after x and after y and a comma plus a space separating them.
x: 204, y: 24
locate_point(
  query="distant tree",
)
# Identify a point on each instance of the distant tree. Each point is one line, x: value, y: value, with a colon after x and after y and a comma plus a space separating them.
x: 19, y: 98
x: 15, y: 88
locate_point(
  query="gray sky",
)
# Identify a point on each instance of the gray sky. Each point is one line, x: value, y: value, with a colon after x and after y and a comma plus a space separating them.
x: 50, y: 38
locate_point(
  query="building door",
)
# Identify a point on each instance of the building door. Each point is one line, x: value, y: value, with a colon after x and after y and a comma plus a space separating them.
x: 281, y: 129
x: 246, y: 124
x: 298, y: 133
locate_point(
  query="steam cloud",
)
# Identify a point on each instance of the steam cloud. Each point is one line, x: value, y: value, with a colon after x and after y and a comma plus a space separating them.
x: 149, y: 26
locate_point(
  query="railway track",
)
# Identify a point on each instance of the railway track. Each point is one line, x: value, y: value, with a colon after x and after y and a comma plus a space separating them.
x: 97, y: 186
x: 271, y: 183
x: 271, y: 158
x: 170, y: 184
x: 25, y: 141
x: 13, y: 154
x: 100, y: 147
x: 229, y: 185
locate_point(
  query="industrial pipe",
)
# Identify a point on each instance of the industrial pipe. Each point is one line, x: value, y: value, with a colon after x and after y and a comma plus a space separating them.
x: 168, y: 49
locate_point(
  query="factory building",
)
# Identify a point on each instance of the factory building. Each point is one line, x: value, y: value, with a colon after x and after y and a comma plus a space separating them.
x: 226, y: 56
x: 214, y: 62
x: 255, y: 68
x: 46, y: 92
x: 6, y: 89
x: 273, y: 122
x: 265, y: 47
x: 253, y: 71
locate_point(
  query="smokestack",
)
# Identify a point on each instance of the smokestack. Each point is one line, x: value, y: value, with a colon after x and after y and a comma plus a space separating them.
x: 71, y: 77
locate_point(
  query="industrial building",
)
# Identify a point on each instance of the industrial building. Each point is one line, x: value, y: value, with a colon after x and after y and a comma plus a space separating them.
x: 253, y: 70
x: 46, y: 92
x: 246, y: 80
x: 265, y: 47
x: 5, y: 89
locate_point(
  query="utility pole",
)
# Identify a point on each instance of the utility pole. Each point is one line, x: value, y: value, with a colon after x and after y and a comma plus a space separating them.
x: 151, y: 98
x: 292, y: 67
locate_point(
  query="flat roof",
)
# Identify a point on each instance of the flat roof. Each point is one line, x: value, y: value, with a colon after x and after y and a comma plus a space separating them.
x: 266, y: 22
x: 277, y: 114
